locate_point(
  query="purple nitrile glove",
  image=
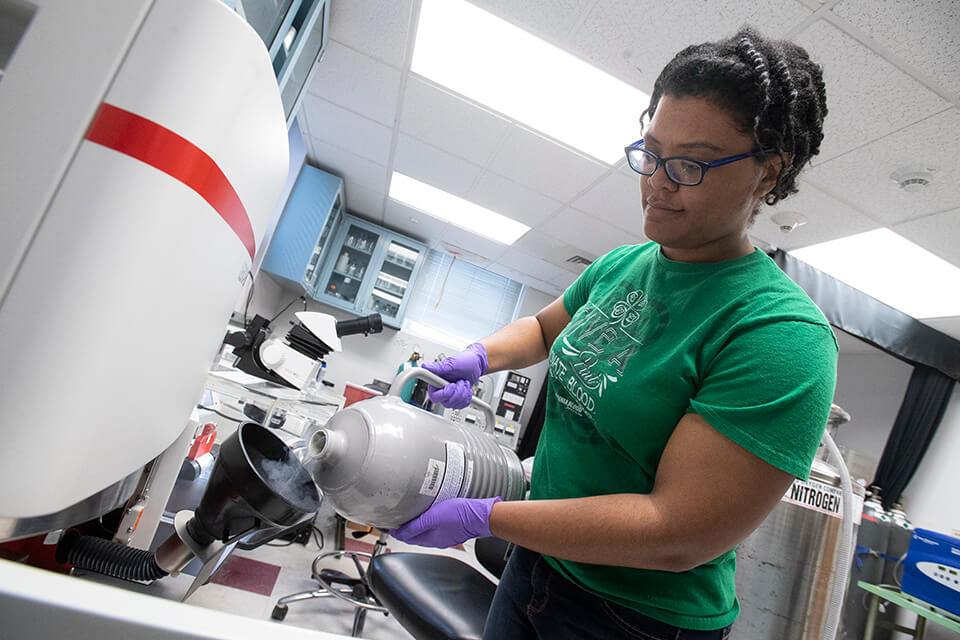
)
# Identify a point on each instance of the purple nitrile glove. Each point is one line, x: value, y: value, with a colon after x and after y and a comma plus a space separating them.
x: 462, y: 369
x: 448, y: 523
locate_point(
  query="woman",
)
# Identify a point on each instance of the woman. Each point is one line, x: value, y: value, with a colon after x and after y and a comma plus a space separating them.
x: 689, y: 379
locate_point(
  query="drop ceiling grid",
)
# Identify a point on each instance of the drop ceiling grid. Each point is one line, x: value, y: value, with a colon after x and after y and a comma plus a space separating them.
x: 437, y: 168
x: 372, y: 39
x: 938, y: 233
x: 925, y: 34
x: 581, y: 230
x: 863, y: 176
x: 349, y: 131
x: 449, y: 122
x: 634, y: 40
x: 615, y: 200
x: 827, y: 218
x: 867, y: 97
x: 379, y: 29
x: 358, y: 83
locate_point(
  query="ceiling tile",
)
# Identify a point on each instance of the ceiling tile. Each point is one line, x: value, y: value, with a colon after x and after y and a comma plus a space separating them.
x: 455, y: 238
x: 616, y: 200
x: 550, y: 20
x: 581, y: 230
x: 535, y: 267
x: 949, y: 326
x: 827, y: 218
x: 635, y: 40
x: 938, y: 234
x: 353, y: 169
x: 449, y: 122
x: 864, y: 91
x: 545, y: 166
x: 512, y: 200
x: 347, y: 130
x: 539, y: 245
x: 428, y: 164
x: 362, y: 201
x: 413, y: 222
x: 358, y: 83
x: 563, y: 279
x: 924, y: 34
x: 863, y: 176
x: 379, y: 29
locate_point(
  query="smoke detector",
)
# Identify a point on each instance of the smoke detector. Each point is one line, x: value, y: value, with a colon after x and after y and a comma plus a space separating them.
x: 913, y: 178
x: 788, y: 221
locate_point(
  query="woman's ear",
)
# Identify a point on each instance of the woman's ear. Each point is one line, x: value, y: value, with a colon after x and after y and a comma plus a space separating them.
x: 772, y: 167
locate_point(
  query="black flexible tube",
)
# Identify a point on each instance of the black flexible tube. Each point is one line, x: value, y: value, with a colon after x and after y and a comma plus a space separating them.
x: 109, y: 558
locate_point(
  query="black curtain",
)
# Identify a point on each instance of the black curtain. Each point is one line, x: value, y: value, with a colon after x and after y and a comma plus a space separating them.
x: 920, y: 413
x: 531, y: 434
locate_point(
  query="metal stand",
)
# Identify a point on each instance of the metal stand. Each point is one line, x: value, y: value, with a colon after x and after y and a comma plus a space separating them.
x: 353, y: 591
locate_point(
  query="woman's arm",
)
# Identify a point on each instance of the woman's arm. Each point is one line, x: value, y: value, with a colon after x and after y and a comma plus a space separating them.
x: 527, y: 340
x: 709, y: 494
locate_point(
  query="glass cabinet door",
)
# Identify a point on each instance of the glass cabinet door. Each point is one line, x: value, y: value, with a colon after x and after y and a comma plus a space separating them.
x: 392, y: 281
x: 351, y: 263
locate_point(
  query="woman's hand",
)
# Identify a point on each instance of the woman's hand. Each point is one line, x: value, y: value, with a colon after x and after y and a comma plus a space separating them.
x: 448, y: 523
x: 463, y: 370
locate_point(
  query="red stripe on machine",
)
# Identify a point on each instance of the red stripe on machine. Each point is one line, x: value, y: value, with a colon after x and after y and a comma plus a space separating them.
x: 161, y: 148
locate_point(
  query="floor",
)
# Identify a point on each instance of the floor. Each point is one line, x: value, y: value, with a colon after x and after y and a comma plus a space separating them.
x: 250, y: 582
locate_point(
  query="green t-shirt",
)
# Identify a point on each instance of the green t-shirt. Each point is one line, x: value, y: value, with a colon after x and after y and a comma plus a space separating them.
x: 650, y: 340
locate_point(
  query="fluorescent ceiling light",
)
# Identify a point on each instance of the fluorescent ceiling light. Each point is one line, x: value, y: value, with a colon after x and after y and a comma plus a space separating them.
x: 457, y: 211
x: 891, y: 269
x: 496, y: 64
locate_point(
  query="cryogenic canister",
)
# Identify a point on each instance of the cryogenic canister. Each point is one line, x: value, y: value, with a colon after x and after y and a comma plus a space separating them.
x: 382, y: 462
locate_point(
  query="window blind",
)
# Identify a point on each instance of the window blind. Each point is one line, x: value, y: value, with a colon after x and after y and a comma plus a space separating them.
x: 455, y: 303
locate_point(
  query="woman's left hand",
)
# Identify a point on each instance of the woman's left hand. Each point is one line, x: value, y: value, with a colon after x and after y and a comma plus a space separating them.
x: 448, y: 523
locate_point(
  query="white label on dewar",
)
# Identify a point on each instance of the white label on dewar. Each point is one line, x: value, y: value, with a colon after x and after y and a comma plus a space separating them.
x: 453, y: 478
x: 432, y: 478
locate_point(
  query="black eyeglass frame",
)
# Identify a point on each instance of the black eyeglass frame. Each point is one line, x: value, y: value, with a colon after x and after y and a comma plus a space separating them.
x: 704, y: 166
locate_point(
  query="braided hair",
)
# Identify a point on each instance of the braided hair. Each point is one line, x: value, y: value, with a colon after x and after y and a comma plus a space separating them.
x: 772, y: 89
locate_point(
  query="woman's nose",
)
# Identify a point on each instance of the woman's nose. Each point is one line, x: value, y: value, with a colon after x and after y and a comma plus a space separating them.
x: 660, y: 180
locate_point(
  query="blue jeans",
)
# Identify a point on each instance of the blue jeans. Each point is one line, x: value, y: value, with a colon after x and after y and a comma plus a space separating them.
x: 534, y: 601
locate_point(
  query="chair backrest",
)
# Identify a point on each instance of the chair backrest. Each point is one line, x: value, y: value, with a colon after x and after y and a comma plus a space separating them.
x: 492, y: 553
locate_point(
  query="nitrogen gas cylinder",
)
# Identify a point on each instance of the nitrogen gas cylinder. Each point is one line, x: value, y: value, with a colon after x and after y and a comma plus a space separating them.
x: 382, y: 462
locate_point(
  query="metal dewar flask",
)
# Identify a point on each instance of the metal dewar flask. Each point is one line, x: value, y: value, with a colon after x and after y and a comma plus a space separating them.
x: 382, y: 462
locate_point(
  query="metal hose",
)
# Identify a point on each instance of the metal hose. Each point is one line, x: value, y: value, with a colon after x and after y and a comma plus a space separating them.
x: 846, y: 543
x: 109, y: 558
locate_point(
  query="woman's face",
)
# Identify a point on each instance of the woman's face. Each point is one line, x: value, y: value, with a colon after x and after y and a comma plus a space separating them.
x: 708, y: 222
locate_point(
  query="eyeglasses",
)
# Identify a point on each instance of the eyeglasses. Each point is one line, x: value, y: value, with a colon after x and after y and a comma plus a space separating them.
x: 687, y: 172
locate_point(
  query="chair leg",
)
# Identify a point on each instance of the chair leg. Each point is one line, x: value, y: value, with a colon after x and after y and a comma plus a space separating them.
x: 358, y: 620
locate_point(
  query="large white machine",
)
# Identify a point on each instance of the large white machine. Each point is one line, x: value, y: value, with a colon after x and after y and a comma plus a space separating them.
x: 143, y: 151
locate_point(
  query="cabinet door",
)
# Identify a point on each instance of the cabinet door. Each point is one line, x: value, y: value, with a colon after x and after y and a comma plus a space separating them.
x: 393, y: 279
x: 349, y: 263
x: 311, y: 275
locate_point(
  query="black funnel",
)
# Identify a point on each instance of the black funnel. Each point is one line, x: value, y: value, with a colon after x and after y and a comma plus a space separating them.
x: 255, y: 482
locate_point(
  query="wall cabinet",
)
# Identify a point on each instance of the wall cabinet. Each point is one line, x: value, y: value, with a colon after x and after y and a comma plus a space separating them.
x: 312, y: 214
x: 370, y: 270
x: 339, y: 259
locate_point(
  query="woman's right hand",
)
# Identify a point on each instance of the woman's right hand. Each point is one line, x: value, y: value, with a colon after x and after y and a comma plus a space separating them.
x: 462, y: 370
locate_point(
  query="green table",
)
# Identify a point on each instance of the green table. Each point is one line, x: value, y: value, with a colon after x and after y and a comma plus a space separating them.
x: 923, y: 610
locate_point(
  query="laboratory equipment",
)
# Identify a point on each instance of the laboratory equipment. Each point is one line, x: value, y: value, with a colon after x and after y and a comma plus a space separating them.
x: 382, y: 462
x: 256, y: 483
x: 292, y: 360
x: 872, y: 539
x: 788, y: 569
x: 129, y: 231
x: 932, y: 570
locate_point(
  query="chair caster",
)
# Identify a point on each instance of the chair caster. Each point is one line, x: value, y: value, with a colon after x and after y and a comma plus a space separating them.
x: 279, y: 612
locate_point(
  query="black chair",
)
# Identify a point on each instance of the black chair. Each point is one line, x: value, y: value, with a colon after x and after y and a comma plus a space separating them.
x: 438, y: 597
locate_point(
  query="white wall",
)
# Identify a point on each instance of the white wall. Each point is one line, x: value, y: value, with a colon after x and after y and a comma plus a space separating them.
x: 870, y: 387
x: 931, y: 497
